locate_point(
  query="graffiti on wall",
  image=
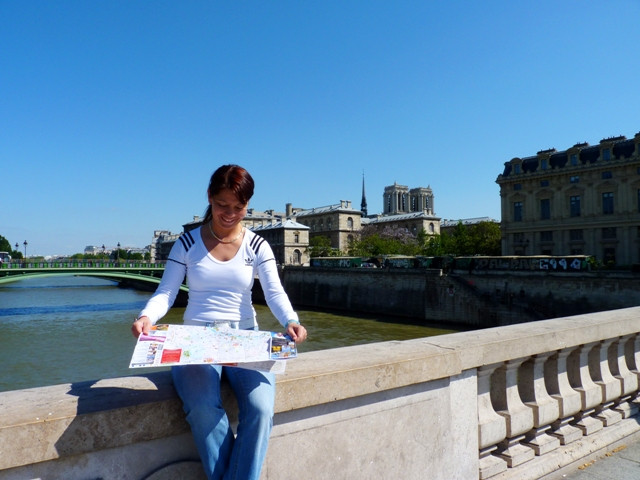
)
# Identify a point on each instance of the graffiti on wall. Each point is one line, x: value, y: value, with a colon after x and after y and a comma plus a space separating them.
x: 579, y: 263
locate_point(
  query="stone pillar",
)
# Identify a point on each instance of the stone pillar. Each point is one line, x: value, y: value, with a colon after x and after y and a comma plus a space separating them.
x: 492, y: 428
x: 545, y: 408
x: 590, y: 393
x: 569, y: 402
x: 507, y: 401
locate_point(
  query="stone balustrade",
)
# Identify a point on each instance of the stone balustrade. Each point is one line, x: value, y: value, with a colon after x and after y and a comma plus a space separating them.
x: 526, y: 401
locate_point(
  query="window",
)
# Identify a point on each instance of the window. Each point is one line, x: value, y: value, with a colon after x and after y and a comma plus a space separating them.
x: 545, y: 209
x: 544, y: 164
x: 517, y: 211
x: 574, y: 179
x: 606, y: 175
x: 609, y: 233
x: 546, y: 236
x: 350, y: 223
x: 517, y: 186
x: 576, y: 235
x: 296, y: 237
x: 574, y: 206
x: 516, y: 168
x: 544, y: 183
x: 606, y: 154
x: 573, y: 159
x: 607, y: 203
x: 609, y: 255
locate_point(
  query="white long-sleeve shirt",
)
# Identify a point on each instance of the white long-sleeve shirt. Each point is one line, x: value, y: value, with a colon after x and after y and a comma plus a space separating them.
x: 220, y: 291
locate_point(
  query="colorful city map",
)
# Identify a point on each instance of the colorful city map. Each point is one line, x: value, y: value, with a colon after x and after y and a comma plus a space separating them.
x: 167, y: 345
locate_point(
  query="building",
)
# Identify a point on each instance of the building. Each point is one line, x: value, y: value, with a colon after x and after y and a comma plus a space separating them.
x: 583, y: 200
x: 408, y: 209
x: 340, y: 222
x: 289, y: 241
x: 399, y: 200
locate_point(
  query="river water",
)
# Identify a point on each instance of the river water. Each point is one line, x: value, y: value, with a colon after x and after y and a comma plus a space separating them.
x: 64, y: 329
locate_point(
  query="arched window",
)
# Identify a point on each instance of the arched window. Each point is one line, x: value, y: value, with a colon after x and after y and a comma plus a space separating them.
x: 350, y: 223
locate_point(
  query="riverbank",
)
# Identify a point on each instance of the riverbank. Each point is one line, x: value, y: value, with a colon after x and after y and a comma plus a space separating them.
x: 460, y: 300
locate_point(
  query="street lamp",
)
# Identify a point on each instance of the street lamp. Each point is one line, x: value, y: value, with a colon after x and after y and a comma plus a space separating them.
x: 17, y: 247
x: 118, y: 252
x: 25, y: 249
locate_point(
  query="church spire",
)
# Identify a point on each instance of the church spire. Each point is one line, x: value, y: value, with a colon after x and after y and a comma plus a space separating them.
x: 363, y: 203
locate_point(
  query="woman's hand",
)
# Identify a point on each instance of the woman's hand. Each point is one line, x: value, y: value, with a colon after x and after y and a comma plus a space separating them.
x: 297, y: 332
x: 140, y: 325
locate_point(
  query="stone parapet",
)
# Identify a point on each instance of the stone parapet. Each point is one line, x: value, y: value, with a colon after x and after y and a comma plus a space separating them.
x: 525, y: 401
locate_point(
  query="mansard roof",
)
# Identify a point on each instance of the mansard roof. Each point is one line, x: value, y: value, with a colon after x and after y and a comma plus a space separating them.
x: 287, y: 225
x: 399, y: 217
x: 343, y: 206
x: 621, y: 147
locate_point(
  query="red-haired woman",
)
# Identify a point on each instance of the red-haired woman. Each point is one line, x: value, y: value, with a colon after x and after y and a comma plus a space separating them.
x: 220, y: 259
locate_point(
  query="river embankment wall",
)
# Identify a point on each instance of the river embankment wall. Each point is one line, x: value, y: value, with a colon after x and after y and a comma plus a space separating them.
x: 474, y: 300
x: 527, y: 401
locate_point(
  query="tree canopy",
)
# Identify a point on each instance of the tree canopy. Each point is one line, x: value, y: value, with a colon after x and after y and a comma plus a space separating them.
x: 482, y: 238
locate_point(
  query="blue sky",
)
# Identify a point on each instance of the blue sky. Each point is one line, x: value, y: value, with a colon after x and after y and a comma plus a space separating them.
x: 113, y: 114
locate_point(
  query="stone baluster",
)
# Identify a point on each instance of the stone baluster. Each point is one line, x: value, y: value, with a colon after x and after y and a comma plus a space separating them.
x: 507, y: 402
x: 609, y: 385
x: 590, y: 393
x: 569, y: 401
x: 492, y: 428
x: 545, y: 408
x: 632, y: 354
x: 628, y: 380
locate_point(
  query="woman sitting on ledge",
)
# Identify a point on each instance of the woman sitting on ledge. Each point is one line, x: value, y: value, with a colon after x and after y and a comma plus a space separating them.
x: 220, y: 259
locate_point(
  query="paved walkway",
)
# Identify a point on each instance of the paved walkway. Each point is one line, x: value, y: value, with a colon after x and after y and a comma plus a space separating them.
x: 622, y: 463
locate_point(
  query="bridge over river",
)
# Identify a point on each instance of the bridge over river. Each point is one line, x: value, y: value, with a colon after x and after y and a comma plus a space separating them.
x: 142, y: 275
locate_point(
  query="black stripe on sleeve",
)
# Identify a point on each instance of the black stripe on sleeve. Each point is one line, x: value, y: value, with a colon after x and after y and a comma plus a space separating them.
x: 256, y: 243
x: 187, y: 241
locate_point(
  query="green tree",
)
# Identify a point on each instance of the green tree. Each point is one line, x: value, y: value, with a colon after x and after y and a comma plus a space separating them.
x: 5, y: 246
x: 389, y: 241
x: 482, y: 238
x: 320, y: 246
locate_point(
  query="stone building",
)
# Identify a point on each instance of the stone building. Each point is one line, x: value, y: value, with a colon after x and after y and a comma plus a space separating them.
x: 399, y: 200
x: 340, y: 222
x: 404, y: 208
x: 289, y: 241
x: 582, y: 200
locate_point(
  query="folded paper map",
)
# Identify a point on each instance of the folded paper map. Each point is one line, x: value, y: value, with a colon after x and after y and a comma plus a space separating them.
x: 168, y: 345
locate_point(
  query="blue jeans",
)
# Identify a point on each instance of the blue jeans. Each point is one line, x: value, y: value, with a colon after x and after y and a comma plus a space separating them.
x: 223, y: 456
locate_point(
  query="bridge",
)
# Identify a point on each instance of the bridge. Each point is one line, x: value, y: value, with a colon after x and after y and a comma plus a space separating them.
x: 142, y: 275
x: 532, y: 401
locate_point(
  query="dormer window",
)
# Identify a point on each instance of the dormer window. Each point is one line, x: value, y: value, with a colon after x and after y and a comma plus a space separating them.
x: 516, y: 168
x: 606, y: 154
x: 573, y: 159
x: 544, y: 164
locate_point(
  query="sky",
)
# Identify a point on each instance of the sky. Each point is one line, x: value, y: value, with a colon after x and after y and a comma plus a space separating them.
x: 114, y: 114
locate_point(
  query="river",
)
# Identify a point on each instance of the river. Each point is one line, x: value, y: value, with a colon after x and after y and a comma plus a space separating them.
x: 64, y: 329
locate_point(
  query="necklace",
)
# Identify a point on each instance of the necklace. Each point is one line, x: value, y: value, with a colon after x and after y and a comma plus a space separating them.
x: 221, y: 240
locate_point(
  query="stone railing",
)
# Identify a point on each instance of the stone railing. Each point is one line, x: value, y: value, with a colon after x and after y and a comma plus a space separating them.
x: 526, y: 401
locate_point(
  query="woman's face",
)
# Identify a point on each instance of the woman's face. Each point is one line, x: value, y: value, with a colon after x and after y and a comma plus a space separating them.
x: 226, y: 210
